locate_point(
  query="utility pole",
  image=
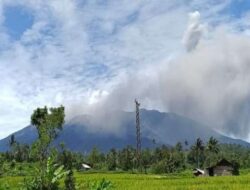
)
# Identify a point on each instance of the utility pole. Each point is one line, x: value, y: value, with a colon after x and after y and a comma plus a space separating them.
x: 138, y: 135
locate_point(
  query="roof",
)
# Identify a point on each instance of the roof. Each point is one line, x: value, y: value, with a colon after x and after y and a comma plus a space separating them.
x: 197, y: 170
x: 222, y: 162
x: 86, y: 166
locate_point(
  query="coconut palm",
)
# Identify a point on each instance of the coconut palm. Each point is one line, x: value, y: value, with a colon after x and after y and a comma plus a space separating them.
x: 212, y: 149
x: 198, y: 147
x: 213, y: 145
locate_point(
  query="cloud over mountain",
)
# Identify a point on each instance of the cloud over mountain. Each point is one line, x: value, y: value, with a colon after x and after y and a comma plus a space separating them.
x: 211, y: 84
x: 90, y: 55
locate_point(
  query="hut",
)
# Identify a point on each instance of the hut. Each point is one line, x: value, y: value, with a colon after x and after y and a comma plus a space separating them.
x: 198, y: 172
x: 85, y: 167
x: 222, y: 168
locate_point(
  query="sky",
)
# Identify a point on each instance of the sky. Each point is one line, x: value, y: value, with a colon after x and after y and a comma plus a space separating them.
x: 184, y: 56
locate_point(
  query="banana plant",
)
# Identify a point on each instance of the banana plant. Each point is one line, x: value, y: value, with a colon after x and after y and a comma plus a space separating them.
x: 47, y: 180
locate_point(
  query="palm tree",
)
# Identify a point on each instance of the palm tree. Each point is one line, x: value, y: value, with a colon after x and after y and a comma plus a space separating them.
x: 12, y: 140
x: 198, y: 147
x: 213, y: 145
x: 212, y: 148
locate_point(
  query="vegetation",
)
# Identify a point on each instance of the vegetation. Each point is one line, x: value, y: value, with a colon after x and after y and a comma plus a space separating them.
x: 101, y: 185
x: 48, y: 122
x: 46, y: 180
x: 125, y: 181
x: 41, y: 166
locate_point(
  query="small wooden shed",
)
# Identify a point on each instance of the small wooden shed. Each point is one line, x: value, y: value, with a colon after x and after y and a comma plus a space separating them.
x: 222, y: 168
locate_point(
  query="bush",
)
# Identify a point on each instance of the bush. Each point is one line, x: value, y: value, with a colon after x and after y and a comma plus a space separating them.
x: 4, y: 186
x: 236, y: 167
x: 170, y: 164
x: 47, y: 179
x: 159, y: 168
x: 70, y: 181
x: 13, y: 163
x: 102, y: 185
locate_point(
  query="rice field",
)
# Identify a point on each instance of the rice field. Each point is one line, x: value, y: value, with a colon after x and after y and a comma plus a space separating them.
x: 125, y: 181
x: 173, y: 182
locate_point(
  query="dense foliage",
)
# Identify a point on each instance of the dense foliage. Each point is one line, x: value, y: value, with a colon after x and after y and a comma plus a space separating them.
x: 163, y: 159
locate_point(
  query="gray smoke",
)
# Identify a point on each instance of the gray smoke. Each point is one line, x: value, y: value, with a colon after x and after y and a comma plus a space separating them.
x: 194, y: 31
x: 210, y: 84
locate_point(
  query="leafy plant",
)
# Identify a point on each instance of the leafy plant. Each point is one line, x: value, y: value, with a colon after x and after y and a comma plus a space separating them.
x: 48, y: 123
x: 49, y: 180
x: 70, y: 181
x: 102, y: 185
x: 4, y: 186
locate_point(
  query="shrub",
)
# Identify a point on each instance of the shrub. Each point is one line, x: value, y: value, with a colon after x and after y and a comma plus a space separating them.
x: 13, y: 163
x: 47, y: 180
x: 70, y: 181
x: 102, y: 185
x: 4, y: 186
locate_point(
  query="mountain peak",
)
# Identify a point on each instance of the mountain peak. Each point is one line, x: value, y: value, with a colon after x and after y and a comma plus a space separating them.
x: 80, y: 134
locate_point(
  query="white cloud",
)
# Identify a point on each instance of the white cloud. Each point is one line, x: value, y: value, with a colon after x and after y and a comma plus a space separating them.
x: 75, y: 53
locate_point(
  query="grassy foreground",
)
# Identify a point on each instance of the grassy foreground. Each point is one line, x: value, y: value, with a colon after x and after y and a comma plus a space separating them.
x: 182, y: 181
x: 173, y: 182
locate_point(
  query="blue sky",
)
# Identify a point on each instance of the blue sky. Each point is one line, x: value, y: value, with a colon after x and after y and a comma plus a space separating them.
x: 237, y: 8
x: 80, y: 52
x: 17, y: 20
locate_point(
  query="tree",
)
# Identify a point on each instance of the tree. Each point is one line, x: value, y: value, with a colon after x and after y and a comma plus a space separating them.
x: 186, y: 144
x: 126, y: 158
x: 12, y: 140
x: 94, y: 156
x: 178, y: 147
x: 78, y: 160
x: 18, y: 152
x: 47, y: 180
x: 172, y: 162
x: 67, y: 160
x: 212, y: 150
x: 179, y: 157
x: 213, y: 145
x: 12, y: 144
x: 112, y: 159
x: 236, y: 167
x: 198, y: 149
x: 157, y: 155
x: 70, y: 181
x: 48, y: 123
x: 146, y: 159
x: 1, y: 164
x: 21, y: 152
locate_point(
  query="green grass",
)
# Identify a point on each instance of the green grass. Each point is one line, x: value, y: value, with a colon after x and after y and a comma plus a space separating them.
x: 172, y: 182
x: 124, y: 181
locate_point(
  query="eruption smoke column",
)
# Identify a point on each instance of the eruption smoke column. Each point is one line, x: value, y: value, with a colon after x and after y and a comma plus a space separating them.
x: 138, y: 134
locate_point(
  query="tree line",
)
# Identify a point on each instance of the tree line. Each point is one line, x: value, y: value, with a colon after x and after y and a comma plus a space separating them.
x: 61, y: 162
x: 170, y: 159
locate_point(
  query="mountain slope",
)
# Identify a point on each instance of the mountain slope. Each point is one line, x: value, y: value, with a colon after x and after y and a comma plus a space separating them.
x: 82, y: 133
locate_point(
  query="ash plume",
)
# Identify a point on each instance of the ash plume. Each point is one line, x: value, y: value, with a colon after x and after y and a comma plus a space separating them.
x: 210, y: 83
x: 193, y: 32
